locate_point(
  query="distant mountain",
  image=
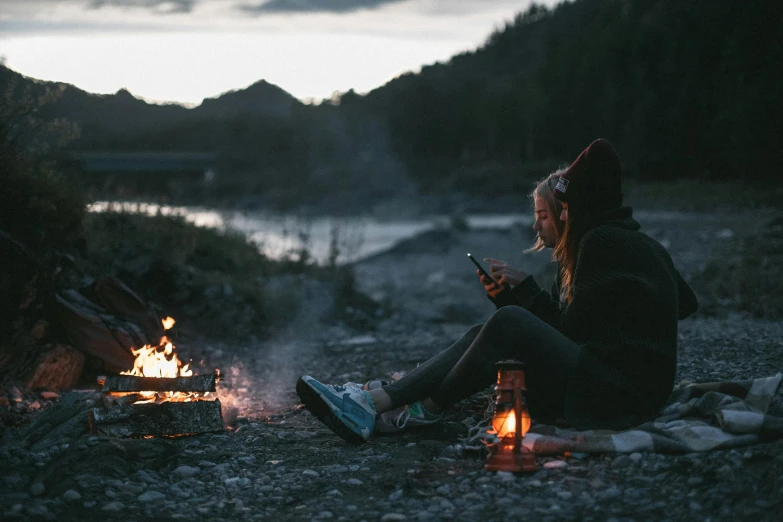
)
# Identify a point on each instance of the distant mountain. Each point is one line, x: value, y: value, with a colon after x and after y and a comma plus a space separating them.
x: 122, y: 112
x: 260, y: 99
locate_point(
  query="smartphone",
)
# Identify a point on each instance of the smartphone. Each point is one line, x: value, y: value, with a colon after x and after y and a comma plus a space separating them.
x: 482, y: 271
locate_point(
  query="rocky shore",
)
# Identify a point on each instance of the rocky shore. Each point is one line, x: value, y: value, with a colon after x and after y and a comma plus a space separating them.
x: 277, y: 462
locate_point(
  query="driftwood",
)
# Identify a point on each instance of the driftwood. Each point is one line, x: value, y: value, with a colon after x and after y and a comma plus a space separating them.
x: 63, y: 422
x: 167, y: 419
x: 131, y: 383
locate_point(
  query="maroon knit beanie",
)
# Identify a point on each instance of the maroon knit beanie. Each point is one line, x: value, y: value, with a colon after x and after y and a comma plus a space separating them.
x: 594, y: 179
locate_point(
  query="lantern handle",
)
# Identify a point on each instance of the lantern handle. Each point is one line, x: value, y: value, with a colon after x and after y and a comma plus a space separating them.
x: 518, y: 418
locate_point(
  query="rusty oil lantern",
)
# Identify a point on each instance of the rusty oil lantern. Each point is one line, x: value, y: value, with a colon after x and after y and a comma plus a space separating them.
x: 510, y: 422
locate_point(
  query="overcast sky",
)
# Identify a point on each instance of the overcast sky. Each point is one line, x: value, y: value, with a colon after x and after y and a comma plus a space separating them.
x: 187, y: 50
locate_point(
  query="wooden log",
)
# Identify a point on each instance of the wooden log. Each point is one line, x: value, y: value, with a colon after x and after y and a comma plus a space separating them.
x: 58, y: 369
x: 132, y: 383
x: 168, y: 419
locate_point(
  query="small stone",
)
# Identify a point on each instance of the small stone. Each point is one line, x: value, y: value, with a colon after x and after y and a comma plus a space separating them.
x: 37, y: 489
x: 151, y: 496
x: 621, y: 462
x: 694, y: 506
x: 695, y: 481
x: 310, y: 473
x: 505, y: 476
x: 141, y: 474
x: 393, y: 517
x: 49, y: 396
x: 444, y: 490
x: 636, y: 457
x: 71, y: 496
x: 535, y: 483
x: 726, y: 473
x: 113, y: 507
x: 397, y: 495
x: 186, y: 471
x: 725, y: 233
x: 34, y: 406
x: 354, y: 482
x: 556, y: 464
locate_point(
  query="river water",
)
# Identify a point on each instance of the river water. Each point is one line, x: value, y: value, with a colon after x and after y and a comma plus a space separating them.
x: 279, y: 236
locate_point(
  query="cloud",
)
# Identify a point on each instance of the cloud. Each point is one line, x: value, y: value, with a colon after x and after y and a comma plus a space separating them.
x: 314, y: 6
x: 161, y: 6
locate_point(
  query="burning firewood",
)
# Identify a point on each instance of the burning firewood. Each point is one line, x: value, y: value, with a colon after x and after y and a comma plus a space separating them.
x: 159, y: 396
x: 130, y: 383
x: 169, y: 419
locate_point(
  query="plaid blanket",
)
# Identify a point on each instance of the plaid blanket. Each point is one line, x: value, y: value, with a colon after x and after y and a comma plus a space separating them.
x: 697, y: 417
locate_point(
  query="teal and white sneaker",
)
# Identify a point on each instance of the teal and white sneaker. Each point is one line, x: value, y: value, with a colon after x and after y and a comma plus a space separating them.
x: 410, y: 416
x: 346, y: 410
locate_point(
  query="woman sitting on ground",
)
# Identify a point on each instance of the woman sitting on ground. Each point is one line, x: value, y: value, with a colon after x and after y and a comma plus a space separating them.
x: 600, y: 351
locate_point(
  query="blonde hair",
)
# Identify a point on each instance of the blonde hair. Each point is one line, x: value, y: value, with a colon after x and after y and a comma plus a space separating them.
x: 545, y: 189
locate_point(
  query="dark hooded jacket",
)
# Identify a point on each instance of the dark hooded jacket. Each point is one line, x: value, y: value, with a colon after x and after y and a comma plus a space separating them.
x: 627, y: 299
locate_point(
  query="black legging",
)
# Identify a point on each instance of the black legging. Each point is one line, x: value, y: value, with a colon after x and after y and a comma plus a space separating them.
x: 468, y: 365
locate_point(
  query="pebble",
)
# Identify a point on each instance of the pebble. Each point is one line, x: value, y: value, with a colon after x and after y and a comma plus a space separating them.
x: 505, y: 476
x: 354, y: 482
x: 393, y: 517
x: 397, y: 495
x: 310, y: 473
x: 71, y: 496
x: 622, y: 461
x: 556, y: 464
x: 151, y: 496
x: 37, y: 489
x: 636, y: 457
x: 186, y: 471
x: 113, y: 507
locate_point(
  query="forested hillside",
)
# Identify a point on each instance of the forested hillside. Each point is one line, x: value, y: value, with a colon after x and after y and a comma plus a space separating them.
x: 683, y: 89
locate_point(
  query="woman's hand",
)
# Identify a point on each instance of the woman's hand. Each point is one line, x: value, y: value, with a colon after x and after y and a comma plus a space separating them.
x: 491, y: 288
x: 503, y: 272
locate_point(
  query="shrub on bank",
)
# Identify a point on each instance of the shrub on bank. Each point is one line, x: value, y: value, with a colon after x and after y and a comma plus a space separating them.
x: 216, y: 280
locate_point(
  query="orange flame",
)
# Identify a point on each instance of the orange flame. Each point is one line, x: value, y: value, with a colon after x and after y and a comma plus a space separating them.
x: 161, y: 361
x: 152, y: 362
x: 507, y: 424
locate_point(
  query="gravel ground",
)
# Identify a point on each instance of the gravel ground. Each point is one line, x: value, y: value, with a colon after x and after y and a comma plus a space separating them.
x: 277, y: 462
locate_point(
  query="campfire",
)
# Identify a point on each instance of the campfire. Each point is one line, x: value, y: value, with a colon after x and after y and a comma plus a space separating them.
x: 158, y: 396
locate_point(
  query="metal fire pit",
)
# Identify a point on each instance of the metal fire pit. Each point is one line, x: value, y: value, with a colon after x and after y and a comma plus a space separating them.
x: 121, y: 418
